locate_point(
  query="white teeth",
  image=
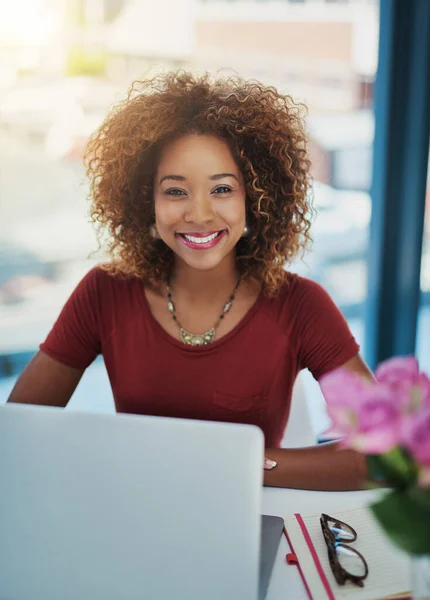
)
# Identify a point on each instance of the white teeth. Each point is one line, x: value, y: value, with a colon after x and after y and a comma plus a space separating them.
x: 200, y: 240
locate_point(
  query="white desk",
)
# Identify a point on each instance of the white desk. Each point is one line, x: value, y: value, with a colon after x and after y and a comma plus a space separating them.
x: 286, y: 583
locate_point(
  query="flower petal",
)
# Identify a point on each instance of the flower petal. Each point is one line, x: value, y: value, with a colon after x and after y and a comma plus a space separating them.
x: 343, y: 415
x: 398, y: 369
x: 415, y: 435
x: 378, y: 409
x: 378, y: 441
x: 339, y: 385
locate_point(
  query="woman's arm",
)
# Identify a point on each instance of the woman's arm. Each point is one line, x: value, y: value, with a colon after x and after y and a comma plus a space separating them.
x: 323, y: 467
x: 46, y: 381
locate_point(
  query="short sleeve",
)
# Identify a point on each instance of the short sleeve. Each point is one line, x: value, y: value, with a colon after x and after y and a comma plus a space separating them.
x: 325, y: 341
x: 74, y: 340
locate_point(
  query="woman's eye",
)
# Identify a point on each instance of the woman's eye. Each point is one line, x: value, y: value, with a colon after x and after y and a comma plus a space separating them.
x: 174, y: 192
x: 222, y: 189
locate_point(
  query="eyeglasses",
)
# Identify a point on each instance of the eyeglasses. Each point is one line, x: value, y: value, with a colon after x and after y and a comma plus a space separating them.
x: 346, y: 563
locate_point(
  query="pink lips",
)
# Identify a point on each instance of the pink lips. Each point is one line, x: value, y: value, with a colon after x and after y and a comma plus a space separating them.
x: 206, y: 245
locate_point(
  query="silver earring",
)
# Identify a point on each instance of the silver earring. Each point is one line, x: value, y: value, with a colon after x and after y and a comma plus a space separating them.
x: 154, y: 232
x: 245, y: 231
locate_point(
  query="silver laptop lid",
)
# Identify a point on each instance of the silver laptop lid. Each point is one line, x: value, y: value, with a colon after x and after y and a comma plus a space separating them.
x: 127, y: 507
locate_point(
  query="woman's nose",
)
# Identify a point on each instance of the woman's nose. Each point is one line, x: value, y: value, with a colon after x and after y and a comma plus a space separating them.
x: 200, y: 210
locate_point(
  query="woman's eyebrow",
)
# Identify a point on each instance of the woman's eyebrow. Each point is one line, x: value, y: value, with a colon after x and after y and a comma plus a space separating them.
x: 221, y: 176
x: 174, y: 177
x: 211, y: 177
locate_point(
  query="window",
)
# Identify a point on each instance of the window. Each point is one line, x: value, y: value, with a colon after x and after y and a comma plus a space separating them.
x: 423, y: 333
x: 63, y: 73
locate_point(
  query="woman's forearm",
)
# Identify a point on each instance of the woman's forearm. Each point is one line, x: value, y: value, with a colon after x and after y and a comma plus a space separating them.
x: 324, y: 467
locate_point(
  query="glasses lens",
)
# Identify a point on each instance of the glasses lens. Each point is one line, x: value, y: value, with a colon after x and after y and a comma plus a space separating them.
x: 341, y: 531
x: 350, y: 560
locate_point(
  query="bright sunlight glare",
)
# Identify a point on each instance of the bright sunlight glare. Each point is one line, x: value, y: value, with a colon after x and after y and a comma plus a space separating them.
x: 27, y: 22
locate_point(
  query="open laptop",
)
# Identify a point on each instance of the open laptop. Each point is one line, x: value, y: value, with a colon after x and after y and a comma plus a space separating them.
x: 128, y: 507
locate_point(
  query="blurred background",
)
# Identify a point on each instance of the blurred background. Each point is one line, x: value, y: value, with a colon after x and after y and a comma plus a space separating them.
x: 64, y: 62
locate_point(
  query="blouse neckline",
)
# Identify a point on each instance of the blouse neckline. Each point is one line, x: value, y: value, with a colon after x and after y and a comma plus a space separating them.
x: 218, y: 342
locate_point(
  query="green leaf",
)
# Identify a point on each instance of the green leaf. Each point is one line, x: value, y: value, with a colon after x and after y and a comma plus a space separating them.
x: 421, y: 496
x: 405, y: 518
x: 379, y: 473
x: 394, y: 468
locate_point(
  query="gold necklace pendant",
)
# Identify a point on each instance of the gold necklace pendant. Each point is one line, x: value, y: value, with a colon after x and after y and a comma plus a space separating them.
x: 192, y: 339
x: 203, y: 339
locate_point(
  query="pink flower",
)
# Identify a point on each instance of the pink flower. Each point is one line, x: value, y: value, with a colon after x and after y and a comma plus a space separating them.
x: 342, y: 390
x: 379, y: 421
x: 374, y: 417
x: 398, y: 369
x: 366, y: 414
x: 332, y: 383
x: 415, y: 435
x: 402, y: 374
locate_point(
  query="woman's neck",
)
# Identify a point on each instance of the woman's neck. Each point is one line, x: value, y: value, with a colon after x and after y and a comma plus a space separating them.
x: 205, y: 285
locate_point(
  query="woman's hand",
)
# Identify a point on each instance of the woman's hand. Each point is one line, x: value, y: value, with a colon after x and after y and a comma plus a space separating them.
x: 269, y: 464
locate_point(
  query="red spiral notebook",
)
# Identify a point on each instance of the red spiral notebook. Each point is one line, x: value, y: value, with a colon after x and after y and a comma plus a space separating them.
x: 388, y: 578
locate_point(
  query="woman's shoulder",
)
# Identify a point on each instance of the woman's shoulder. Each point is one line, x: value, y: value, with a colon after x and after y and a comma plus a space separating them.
x: 104, y: 284
x: 105, y: 274
x: 298, y: 300
x: 295, y: 288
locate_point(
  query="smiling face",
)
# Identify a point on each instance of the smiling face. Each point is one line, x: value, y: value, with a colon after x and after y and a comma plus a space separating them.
x: 199, y: 200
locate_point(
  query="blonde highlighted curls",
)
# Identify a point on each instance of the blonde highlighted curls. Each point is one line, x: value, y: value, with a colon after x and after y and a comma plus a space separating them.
x: 265, y: 133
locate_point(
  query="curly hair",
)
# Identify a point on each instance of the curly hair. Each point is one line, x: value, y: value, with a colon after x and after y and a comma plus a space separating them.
x: 264, y: 130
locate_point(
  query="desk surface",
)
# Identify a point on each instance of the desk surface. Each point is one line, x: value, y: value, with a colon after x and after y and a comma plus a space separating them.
x: 286, y: 583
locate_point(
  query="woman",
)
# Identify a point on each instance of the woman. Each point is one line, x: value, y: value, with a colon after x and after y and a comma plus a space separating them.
x: 202, y: 187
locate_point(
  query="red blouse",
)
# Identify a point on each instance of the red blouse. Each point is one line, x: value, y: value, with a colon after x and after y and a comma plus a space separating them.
x: 247, y: 376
